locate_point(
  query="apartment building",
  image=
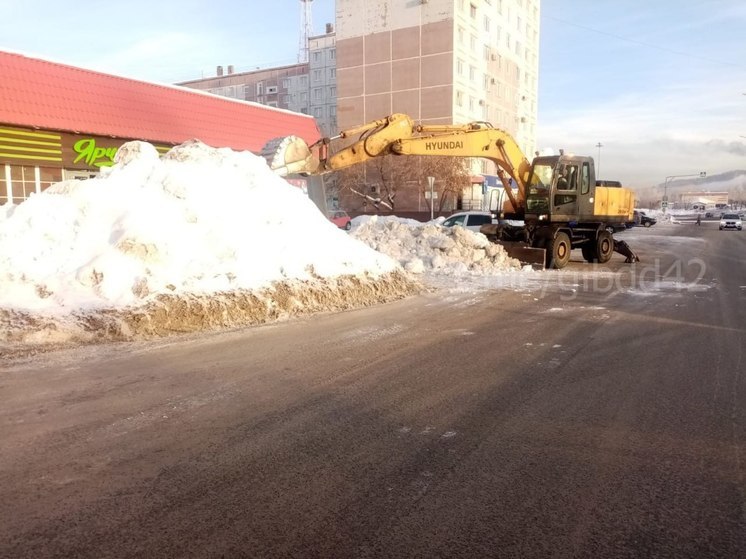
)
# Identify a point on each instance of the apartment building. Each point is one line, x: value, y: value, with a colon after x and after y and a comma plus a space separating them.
x: 322, y: 61
x: 441, y: 61
x: 306, y: 87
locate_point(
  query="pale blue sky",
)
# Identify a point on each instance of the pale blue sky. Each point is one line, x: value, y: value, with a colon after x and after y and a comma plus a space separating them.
x: 660, y: 84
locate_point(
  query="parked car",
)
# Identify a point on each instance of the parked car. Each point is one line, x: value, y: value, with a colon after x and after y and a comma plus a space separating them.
x: 340, y: 219
x: 471, y: 220
x: 731, y: 221
x: 644, y: 219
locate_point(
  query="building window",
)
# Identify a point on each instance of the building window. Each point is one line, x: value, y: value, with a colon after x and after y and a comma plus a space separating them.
x: 472, y: 74
x: 460, y: 35
x: 317, y: 75
x: 332, y: 73
x: 487, y: 23
x: 303, y: 96
x: 316, y: 56
x: 332, y: 91
x: 260, y: 88
x: 318, y: 112
x: 304, y: 81
x: 332, y: 54
x: 285, y: 83
x: 472, y: 11
x: 460, y: 98
x: 332, y: 110
x: 317, y: 93
x: 460, y: 67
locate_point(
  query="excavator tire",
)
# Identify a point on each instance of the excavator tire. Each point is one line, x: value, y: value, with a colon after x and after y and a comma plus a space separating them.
x: 589, y: 252
x: 604, y: 247
x: 558, y: 251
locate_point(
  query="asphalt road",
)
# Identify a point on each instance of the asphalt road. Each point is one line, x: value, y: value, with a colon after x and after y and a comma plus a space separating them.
x: 593, y: 412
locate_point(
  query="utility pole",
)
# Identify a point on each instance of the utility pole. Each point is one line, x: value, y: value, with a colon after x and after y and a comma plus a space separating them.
x: 599, y: 145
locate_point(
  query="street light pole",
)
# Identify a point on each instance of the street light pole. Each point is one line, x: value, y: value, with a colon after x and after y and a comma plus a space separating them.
x: 431, y: 182
x: 599, y: 145
x: 701, y: 174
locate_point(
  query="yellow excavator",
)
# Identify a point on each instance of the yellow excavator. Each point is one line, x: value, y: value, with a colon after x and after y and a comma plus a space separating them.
x: 557, y: 198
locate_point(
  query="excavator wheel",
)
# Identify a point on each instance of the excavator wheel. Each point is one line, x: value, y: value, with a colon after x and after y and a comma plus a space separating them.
x: 589, y: 252
x: 558, y: 251
x: 604, y: 247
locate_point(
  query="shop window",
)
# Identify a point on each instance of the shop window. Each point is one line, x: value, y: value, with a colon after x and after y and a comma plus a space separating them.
x: 3, y: 186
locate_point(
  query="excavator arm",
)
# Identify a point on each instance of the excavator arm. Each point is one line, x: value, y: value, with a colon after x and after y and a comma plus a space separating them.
x: 397, y: 134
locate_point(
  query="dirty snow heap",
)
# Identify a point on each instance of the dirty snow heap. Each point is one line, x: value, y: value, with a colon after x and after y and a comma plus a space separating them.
x: 199, y: 238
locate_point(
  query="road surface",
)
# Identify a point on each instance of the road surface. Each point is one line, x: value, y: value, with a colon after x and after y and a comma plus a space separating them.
x: 590, y: 412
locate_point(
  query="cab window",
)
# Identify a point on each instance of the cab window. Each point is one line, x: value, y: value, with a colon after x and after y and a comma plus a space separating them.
x: 479, y: 220
x: 585, y: 181
x: 567, y: 178
x: 456, y: 220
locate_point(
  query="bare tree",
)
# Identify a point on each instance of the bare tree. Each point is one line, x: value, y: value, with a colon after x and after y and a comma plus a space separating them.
x: 452, y: 176
x: 379, y: 181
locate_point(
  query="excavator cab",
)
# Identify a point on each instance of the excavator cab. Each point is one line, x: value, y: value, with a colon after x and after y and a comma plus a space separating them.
x: 560, y: 188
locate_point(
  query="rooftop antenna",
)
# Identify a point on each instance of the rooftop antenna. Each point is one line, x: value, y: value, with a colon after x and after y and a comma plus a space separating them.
x: 306, y: 29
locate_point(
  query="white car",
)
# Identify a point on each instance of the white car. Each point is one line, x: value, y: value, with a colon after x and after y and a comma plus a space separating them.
x: 471, y: 220
x: 731, y: 221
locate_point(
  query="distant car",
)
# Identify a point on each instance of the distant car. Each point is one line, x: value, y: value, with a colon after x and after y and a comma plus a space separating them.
x: 641, y: 218
x: 340, y: 219
x: 731, y: 221
x: 709, y: 214
x: 471, y: 220
x: 644, y: 219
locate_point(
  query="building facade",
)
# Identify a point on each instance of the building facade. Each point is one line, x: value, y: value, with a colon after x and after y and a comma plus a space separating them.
x: 441, y: 61
x: 323, y: 80
x: 306, y: 87
x: 60, y: 122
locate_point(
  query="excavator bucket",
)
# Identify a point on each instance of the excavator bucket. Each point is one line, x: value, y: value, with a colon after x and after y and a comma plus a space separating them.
x: 525, y: 254
x: 290, y: 155
x: 520, y: 250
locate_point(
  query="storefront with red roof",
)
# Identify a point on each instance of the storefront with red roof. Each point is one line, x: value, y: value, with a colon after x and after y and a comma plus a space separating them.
x: 59, y: 122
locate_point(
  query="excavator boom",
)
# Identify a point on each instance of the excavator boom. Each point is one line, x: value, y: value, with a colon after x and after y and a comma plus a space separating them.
x: 397, y: 134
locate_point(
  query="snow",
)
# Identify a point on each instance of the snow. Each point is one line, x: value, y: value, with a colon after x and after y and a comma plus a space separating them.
x: 204, y: 238
x: 429, y: 247
x: 200, y: 220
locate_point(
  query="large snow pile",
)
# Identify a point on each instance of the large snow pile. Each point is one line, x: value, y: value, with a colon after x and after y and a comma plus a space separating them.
x: 423, y: 248
x: 198, y: 238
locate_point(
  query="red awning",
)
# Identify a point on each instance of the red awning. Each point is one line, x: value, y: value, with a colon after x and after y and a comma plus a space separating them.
x: 41, y: 94
x: 477, y: 179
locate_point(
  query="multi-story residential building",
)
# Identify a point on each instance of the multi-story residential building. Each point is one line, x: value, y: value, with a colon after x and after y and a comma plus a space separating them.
x: 306, y: 87
x: 441, y: 61
x: 285, y: 87
x: 323, y: 80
